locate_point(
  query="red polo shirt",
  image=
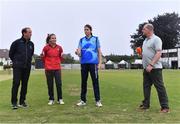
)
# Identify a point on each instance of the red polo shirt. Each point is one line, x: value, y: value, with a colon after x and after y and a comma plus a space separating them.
x: 52, y: 57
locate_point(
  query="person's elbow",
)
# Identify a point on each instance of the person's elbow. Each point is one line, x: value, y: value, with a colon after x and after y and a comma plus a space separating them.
x: 159, y: 53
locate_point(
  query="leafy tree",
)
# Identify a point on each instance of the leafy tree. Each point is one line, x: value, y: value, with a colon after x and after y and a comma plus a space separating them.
x: 68, y: 59
x: 166, y: 26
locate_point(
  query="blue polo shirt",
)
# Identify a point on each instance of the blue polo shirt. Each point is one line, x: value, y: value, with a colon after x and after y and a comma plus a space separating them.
x: 89, y: 50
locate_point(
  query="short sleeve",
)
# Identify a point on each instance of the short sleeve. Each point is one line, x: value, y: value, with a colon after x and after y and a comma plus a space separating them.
x: 158, y: 44
x: 80, y: 43
x: 44, y: 50
x: 43, y: 54
x: 98, y: 43
x: 61, y: 49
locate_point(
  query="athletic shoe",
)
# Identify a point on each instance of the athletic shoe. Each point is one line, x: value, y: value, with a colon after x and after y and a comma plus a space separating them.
x: 14, y: 106
x: 61, y: 102
x: 23, y: 105
x: 81, y: 103
x: 99, y: 104
x: 51, y: 102
x: 142, y: 107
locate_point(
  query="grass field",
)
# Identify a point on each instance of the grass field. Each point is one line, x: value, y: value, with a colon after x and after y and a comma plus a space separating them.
x: 121, y: 93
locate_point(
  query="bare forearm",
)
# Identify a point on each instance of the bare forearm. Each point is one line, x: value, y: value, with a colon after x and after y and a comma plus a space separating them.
x: 100, y: 56
x: 156, y: 58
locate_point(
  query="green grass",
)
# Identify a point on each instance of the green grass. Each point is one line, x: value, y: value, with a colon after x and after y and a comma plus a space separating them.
x: 121, y: 93
x: 5, y: 75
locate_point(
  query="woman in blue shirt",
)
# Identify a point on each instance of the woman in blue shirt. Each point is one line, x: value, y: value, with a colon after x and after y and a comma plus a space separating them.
x: 89, y: 51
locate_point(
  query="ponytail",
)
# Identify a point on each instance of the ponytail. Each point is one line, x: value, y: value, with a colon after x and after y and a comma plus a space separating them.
x: 48, y: 38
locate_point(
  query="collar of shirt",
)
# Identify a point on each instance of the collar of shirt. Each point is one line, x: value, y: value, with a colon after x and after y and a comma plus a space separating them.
x: 52, y: 46
x: 150, y: 37
x: 24, y: 39
x: 88, y: 38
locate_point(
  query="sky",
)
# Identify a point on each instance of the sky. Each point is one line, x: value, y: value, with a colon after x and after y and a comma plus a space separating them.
x: 113, y: 21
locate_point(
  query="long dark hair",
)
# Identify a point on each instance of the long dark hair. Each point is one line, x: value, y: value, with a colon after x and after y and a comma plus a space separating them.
x: 88, y: 26
x: 49, y: 37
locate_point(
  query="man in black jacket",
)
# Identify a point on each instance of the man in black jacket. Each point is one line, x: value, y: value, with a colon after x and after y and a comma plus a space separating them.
x: 21, y: 52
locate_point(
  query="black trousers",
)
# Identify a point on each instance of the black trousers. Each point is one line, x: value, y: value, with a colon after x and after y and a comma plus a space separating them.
x: 50, y: 76
x: 85, y: 69
x: 154, y: 77
x: 20, y: 75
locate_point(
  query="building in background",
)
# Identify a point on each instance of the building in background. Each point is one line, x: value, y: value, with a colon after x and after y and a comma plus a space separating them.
x: 171, y: 58
x: 4, y: 57
x: 137, y: 64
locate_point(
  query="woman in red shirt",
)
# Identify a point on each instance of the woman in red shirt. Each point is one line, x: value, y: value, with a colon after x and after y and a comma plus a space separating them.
x: 51, y: 55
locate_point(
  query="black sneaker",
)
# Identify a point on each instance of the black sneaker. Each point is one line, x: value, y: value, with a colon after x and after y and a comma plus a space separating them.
x: 23, y: 105
x: 142, y: 107
x: 14, y: 106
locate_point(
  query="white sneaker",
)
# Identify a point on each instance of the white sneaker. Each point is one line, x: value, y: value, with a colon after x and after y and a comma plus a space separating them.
x: 51, y: 102
x: 61, y: 102
x: 99, y: 104
x: 81, y: 103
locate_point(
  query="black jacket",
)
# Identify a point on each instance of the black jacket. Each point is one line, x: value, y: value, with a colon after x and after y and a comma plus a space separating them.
x: 21, y: 52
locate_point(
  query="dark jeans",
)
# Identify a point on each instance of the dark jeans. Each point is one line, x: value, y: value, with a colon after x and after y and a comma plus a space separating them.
x: 85, y: 69
x: 50, y: 75
x: 154, y: 77
x: 20, y: 75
